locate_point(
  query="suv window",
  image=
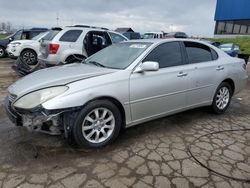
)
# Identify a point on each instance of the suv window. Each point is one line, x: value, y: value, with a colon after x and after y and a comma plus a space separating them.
x: 198, y: 53
x: 71, y: 36
x: 18, y: 35
x: 116, y: 38
x: 51, y: 35
x: 167, y: 55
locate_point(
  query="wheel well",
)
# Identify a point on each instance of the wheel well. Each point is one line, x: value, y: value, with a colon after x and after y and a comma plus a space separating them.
x: 118, y: 104
x: 231, y: 83
x: 28, y: 49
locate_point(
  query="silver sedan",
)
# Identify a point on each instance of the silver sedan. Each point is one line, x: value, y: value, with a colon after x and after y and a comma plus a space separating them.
x: 123, y: 85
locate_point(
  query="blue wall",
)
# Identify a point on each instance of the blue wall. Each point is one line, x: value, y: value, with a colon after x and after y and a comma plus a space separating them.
x: 232, y: 10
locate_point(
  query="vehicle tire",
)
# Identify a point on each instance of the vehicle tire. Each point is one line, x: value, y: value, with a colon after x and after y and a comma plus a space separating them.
x: 222, y: 98
x: 2, y: 52
x: 97, y: 125
x: 29, y: 57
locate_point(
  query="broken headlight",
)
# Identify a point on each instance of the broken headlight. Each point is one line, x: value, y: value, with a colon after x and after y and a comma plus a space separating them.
x: 36, y: 98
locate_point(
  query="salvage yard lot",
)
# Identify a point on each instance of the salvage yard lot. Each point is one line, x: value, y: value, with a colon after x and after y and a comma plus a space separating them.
x: 154, y: 154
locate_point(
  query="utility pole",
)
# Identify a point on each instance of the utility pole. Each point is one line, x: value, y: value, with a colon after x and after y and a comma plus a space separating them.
x: 57, y: 19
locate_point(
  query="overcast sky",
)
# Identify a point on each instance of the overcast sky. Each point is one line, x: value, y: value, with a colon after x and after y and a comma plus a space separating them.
x: 195, y: 17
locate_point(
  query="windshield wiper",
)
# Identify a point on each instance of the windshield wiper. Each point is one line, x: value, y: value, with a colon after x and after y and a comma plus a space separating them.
x: 96, y: 63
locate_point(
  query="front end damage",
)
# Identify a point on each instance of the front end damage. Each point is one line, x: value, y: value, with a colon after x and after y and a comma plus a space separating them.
x: 40, y: 122
x: 40, y: 119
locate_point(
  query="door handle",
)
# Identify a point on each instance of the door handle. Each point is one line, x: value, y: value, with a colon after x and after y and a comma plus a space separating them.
x: 219, y: 68
x: 182, y: 74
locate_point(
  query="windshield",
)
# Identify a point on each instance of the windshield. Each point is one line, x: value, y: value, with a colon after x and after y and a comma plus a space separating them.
x: 51, y: 34
x: 39, y: 36
x: 148, y: 36
x: 118, y: 56
x: 226, y: 46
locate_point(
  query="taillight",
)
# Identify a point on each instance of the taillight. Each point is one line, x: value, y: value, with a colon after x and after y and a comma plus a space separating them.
x: 53, y: 48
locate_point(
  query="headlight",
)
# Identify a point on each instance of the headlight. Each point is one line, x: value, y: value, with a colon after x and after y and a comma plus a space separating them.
x: 36, y: 98
x: 15, y: 44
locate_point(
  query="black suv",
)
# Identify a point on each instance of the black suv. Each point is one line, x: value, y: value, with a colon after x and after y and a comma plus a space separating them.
x: 19, y: 35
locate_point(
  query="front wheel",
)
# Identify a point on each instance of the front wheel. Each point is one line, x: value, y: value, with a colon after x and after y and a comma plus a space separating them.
x: 222, y: 98
x: 97, y: 125
x: 29, y: 57
x: 2, y: 52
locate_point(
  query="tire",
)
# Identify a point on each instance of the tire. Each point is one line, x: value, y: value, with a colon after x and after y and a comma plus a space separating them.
x: 222, y: 98
x: 29, y: 57
x: 89, y: 131
x: 2, y: 52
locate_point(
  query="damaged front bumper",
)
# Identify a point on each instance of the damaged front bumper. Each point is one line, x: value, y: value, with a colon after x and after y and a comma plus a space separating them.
x: 39, y: 120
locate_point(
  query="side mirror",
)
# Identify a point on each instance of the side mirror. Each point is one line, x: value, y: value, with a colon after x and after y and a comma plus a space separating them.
x: 147, y: 66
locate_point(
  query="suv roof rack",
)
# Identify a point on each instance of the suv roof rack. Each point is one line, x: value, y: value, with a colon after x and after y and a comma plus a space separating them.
x: 88, y: 26
x: 39, y: 28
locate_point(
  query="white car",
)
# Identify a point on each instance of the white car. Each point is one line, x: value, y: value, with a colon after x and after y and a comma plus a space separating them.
x: 153, y: 35
x: 76, y: 42
x: 27, y: 49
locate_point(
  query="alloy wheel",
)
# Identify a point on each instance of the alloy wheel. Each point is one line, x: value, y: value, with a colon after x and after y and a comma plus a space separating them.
x: 98, y: 125
x: 29, y: 57
x: 222, y: 98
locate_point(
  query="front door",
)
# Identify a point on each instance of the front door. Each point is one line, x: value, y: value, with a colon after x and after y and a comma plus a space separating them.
x: 160, y: 92
x: 94, y: 41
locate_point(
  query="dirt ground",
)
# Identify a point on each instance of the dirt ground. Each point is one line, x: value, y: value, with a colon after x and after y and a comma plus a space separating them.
x: 153, y: 154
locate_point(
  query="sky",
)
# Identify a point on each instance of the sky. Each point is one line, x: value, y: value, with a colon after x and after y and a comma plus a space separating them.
x: 195, y: 17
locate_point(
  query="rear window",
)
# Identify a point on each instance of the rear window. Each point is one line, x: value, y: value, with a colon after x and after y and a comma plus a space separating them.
x: 198, y: 53
x: 71, y: 36
x: 51, y: 35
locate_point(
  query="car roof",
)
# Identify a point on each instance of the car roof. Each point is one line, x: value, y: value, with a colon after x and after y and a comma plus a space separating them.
x: 156, y: 41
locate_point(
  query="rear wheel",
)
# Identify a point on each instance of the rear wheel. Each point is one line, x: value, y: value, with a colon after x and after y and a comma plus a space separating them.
x: 222, y: 98
x: 2, y: 52
x: 97, y: 125
x: 29, y: 57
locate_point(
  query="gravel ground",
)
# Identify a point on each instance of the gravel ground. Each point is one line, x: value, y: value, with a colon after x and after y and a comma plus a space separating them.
x: 153, y: 154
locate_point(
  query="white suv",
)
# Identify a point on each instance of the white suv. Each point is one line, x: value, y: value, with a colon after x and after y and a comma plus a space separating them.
x: 76, y: 42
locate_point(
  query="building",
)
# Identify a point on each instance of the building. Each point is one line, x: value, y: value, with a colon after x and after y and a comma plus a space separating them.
x: 232, y: 18
x: 128, y: 32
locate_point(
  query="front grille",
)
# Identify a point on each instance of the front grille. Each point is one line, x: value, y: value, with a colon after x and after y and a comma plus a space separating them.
x: 12, y: 97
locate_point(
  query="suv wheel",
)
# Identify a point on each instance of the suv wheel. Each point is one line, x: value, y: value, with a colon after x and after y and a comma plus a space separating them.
x: 29, y: 57
x: 222, y: 98
x: 97, y: 125
x: 2, y: 52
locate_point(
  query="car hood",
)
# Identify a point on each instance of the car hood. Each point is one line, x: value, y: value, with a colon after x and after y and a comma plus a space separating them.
x: 59, y: 75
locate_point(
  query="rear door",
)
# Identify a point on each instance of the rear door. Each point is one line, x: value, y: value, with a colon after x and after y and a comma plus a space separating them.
x: 94, y: 41
x: 205, y: 72
x: 159, y: 92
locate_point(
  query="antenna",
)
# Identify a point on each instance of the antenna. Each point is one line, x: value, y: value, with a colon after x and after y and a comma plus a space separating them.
x: 57, y: 18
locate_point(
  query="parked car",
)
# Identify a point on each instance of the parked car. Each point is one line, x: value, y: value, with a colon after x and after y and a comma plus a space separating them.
x: 176, y: 35
x: 76, y: 42
x: 24, y: 34
x: 123, y: 85
x: 217, y: 44
x: 153, y: 35
x: 28, y: 50
x: 132, y: 35
x: 230, y: 48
